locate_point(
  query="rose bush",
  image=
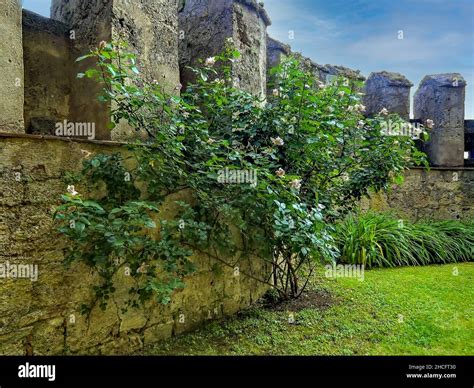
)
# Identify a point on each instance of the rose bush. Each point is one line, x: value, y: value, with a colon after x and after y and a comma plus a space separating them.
x: 280, y: 168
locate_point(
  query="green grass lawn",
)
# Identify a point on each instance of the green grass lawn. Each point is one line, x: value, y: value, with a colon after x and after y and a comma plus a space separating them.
x: 401, y: 311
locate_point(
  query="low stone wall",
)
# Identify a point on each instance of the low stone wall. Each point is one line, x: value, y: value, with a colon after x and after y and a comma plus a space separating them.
x: 43, y: 317
x: 441, y: 194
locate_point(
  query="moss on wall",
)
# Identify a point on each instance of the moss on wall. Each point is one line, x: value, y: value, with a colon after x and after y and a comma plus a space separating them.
x: 42, y: 317
x: 441, y: 193
x: 11, y: 67
x: 48, y: 73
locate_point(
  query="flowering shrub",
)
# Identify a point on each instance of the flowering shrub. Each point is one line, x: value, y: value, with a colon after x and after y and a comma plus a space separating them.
x: 281, y: 169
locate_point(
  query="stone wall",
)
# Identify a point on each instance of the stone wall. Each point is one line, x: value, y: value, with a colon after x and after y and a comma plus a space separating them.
x: 48, y: 73
x: 440, y: 193
x: 440, y: 97
x: 43, y: 317
x: 11, y: 67
x: 276, y: 50
x: 150, y: 27
x: 390, y: 91
x: 205, y: 25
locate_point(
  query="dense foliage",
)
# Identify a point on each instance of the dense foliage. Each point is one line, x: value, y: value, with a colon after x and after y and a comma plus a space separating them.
x: 383, y: 240
x: 280, y: 169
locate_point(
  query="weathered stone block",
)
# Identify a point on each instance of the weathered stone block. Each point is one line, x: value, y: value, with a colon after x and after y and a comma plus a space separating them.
x: 205, y: 25
x: 440, y: 98
x: 151, y: 29
x: 390, y: 91
x: 48, y: 72
x: 11, y: 67
x: 156, y: 333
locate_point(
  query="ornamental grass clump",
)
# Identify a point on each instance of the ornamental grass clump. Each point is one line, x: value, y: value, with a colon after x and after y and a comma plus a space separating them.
x: 383, y: 240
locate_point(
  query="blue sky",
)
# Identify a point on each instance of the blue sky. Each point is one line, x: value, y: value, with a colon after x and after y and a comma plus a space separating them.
x: 438, y: 35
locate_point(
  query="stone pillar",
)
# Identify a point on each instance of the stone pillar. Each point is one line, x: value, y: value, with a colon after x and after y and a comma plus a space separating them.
x: 440, y: 98
x: 151, y: 29
x: 48, y: 73
x: 387, y: 90
x: 11, y: 67
x: 206, y: 24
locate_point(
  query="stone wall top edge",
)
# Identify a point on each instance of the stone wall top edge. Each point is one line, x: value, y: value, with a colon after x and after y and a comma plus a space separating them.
x: 276, y: 44
x: 11, y: 135
x: 440, y: 168
x: 444, y: 80
x: 395, y: 79
x: 261, y: 11
x: 44, y: 24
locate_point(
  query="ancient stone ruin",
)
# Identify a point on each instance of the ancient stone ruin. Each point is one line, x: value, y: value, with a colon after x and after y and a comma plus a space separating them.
x: 40, y: 88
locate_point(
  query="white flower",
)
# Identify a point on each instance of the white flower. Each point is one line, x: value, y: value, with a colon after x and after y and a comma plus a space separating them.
x: 278, y: 141
x: 71, y: 190
x: 430, y: 123
x: 359, y: 107
x: 350, y: 108
x: 384, y: 112
x: 143, y: 268
x: 342, y: 93
x: 275, y: 93
x: 331, y: 109
x: 211, y: 141
x: 211, y: 61
x: 360, y: 124
x: 280, y: 172
x: 307, y: 87
x: 230, y: 40
x: 296, y: 184
x: 86, y: 154
x: 186, y: 114
x: 321, y: 85
x: 321, y: 207
x: 178, y: 87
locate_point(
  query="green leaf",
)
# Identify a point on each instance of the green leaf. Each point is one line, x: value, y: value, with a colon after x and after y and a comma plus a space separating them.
x: 83, y: 57
x: 399, y: 179
x: 95, y: 205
